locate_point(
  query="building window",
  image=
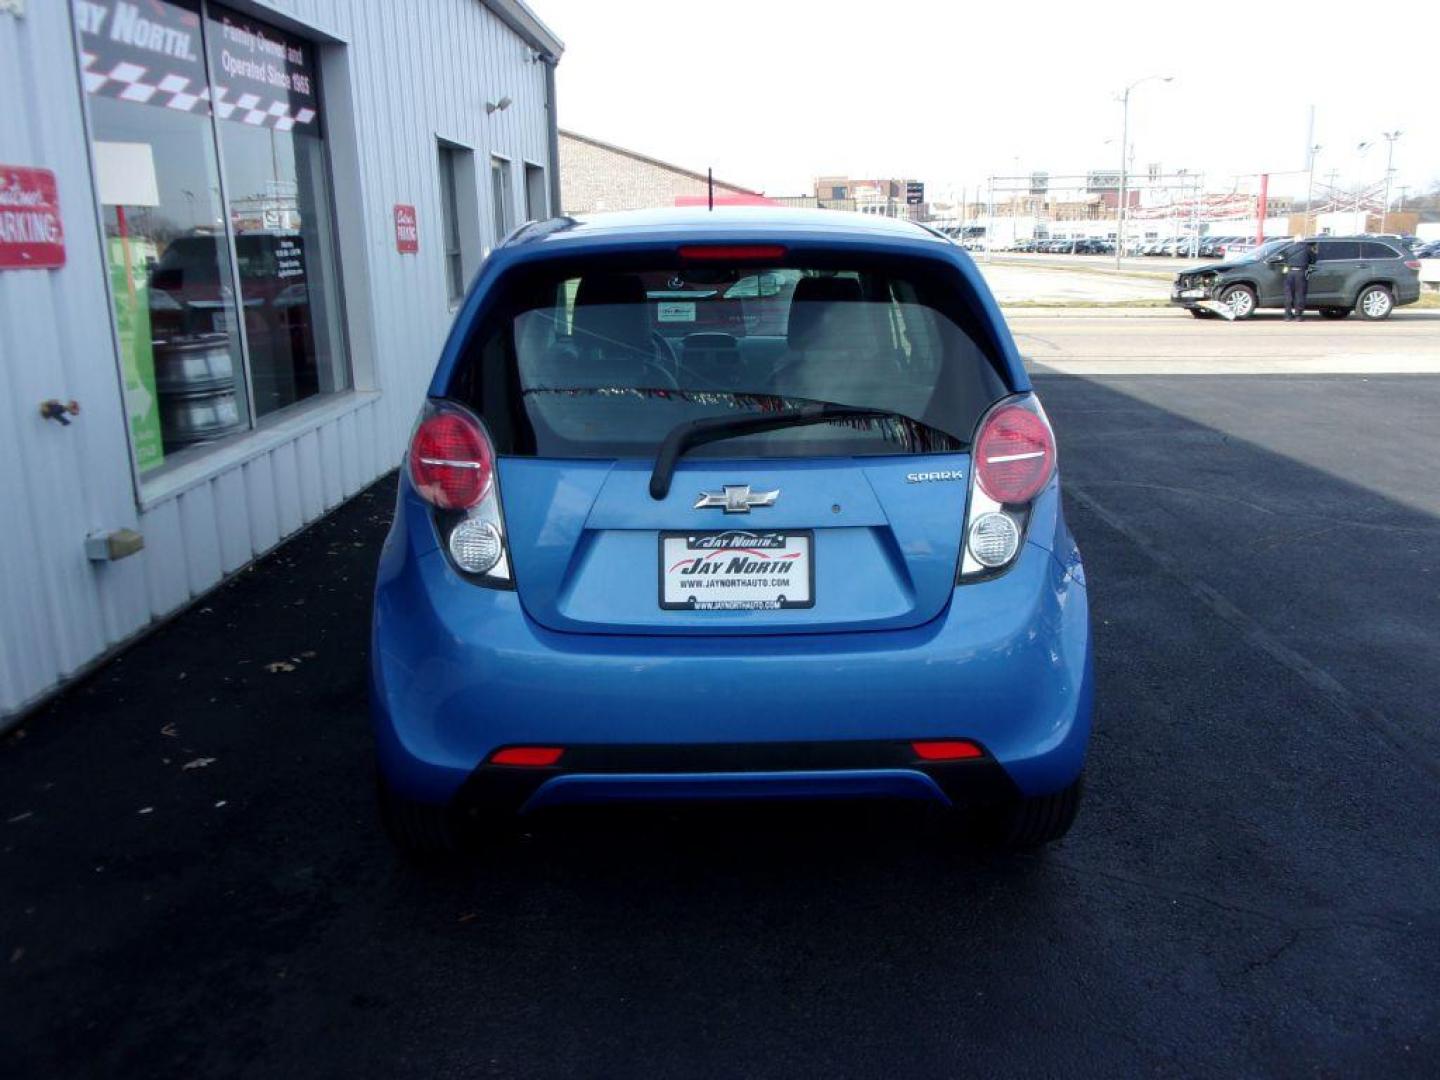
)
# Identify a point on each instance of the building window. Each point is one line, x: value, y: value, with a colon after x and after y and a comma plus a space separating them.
x: 211, y: 168
x: 535, y: 200
x: 503, y: 196
x: 450, y: 167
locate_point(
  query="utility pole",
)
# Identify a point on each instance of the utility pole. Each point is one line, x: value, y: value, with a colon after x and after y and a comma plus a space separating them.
x: 1120, y: 204
x: 1390, y: 137
x: 1125, y: 161
x: 1311, y: 220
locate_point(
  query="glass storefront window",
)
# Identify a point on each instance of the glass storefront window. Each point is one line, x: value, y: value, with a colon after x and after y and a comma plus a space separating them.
x: 266, y: 98
x: 176, y: 88
x: 169, y: 262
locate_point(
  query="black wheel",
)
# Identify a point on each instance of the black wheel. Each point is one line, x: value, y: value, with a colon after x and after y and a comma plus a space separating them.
x: 1335, y: 312
x: 1241, y: 301
x: 1032, y: 823
x: 421, y: 831
x: 1375, y: 302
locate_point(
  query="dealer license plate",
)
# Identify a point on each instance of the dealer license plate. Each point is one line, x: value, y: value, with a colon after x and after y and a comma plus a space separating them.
x: 736, y: 570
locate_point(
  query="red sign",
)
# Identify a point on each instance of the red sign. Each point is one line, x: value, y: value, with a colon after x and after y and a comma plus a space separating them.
x: 31, y: 236
x: 407, y: 230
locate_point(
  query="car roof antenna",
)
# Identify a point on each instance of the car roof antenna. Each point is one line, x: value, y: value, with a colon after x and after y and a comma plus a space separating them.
x: 710, y: 185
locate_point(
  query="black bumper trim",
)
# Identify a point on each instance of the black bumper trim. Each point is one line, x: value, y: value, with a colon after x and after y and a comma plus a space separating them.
x: 502, y: 790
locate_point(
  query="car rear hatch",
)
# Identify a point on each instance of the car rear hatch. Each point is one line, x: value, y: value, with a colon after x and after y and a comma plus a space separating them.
x: 847, y: 544
x: 855, y: 523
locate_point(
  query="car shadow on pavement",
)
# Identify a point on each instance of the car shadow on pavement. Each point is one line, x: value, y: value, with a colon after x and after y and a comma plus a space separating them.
x: 195, y: 881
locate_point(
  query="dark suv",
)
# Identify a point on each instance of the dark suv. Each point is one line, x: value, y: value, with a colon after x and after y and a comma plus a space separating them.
x: 1351, y: 273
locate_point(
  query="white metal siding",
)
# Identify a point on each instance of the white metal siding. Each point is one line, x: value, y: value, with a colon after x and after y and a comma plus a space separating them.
x: 404, y: 73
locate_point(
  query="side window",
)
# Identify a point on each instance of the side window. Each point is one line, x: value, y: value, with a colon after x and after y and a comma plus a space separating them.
x: 535, y: 200
x: 502, y: 198
x: 1336, y: 250
x: 565, y: 307
x: 1372, y: 250
x: 450, y: 222
x: 916, y: 336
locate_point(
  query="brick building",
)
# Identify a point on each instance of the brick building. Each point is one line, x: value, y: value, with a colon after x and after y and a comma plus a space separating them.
x: 885, y: 197
x: 598, y: 176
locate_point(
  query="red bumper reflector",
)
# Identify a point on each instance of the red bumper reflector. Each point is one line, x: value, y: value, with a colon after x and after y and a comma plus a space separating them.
x: 946, y: 750
x: 527, y: 755
x: 731, y: 252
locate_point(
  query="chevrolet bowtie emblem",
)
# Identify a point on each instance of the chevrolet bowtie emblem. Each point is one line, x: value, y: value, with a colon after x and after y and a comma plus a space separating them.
x: 736, y: 499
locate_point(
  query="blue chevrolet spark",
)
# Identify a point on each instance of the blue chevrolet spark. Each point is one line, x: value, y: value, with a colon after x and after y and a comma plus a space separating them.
x: 732, y: 504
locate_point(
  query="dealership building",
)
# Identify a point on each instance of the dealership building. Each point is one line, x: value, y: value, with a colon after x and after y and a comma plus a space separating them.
x: 232, y: 240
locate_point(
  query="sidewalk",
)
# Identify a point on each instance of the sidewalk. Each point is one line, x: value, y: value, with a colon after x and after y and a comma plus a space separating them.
x: 1092, y: 311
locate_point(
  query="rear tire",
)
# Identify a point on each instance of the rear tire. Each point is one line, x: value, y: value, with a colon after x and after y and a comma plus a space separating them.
x: 1033, y: 822
x: 1241, y: 300
x: 1335, y: 312
x: 1374, y: 303
x: 423, y: 832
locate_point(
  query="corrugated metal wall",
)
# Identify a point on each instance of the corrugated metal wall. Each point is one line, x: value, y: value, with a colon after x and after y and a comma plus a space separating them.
x: 401, y: 75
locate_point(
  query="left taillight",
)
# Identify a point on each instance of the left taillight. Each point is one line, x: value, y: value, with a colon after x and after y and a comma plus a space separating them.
x: 452, y: 467
x: 1014, y: 460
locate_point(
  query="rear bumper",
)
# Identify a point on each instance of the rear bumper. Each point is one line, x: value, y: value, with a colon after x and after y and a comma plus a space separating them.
x: 458, y: 671
x: 777, y: 771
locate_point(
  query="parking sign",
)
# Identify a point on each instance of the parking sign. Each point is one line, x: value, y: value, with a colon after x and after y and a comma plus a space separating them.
x: 31, y: 234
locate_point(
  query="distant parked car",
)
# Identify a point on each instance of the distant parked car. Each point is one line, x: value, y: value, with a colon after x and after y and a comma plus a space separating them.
x: 1370, y: 277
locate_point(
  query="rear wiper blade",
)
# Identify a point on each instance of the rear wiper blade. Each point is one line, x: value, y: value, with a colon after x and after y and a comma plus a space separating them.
x: 694, y: 433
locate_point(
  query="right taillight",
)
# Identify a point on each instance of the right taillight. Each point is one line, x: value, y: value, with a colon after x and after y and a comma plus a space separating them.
x: 1014, y: 459
x: 452, y: 467
x: 1014, y: 454
x: 1413, y: 264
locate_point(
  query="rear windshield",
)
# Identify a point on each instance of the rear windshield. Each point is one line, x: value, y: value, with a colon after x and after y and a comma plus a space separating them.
x: 599, y: 361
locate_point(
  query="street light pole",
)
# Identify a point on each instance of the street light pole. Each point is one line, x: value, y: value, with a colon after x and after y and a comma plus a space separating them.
x: 990, y: 218
x: 1125, y: 162
x: 1390, y: 137
x: 1359, y: 167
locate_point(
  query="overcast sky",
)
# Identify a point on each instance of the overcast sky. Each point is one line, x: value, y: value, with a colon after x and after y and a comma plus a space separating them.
x: 772, y: 93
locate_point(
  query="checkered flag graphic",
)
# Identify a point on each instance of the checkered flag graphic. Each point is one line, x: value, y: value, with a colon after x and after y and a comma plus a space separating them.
x: 133, y: 82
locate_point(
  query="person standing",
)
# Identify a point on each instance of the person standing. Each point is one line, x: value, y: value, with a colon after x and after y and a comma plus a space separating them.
x: 1298, y: 258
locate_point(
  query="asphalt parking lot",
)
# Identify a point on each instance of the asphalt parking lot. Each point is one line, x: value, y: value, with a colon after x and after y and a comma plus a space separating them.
x: 194, y: 882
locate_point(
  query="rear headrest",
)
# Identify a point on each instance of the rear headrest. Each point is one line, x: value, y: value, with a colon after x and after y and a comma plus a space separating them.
x: 610, y: 289
x: 814, y: 299
x: 612, y: 311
